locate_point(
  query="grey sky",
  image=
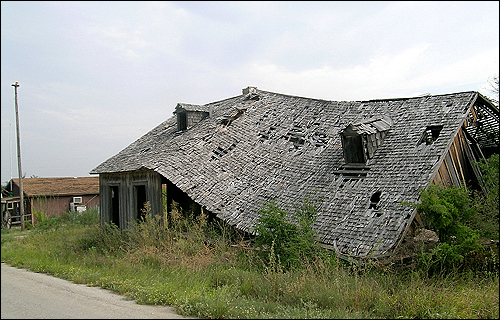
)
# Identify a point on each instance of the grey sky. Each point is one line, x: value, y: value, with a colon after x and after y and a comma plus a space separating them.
x: 96, y: 76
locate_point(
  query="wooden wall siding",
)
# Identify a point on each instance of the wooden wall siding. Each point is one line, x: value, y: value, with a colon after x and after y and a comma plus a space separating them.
x: 127, y: 183
x: 284, y: 148
x: 458, y: 168
x: 56, y: 205
x: 53, y: 195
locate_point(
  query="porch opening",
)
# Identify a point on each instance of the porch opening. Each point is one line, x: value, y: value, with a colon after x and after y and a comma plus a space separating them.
x: 140, y: 201
x: 115, y: 206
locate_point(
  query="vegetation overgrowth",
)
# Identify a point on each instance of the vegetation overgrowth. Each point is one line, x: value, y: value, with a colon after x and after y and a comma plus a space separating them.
x: 467, y: 223
x: 210, y: 270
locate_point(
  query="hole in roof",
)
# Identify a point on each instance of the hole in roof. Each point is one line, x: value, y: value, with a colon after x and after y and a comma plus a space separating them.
x: 228, y: 120
x: 447, y: 107
x: 430, y: 134
x: 374, y: 200
x: 219, y: 152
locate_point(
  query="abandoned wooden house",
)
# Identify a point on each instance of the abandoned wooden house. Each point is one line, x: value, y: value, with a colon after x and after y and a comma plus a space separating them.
x: 360, y: 159
x: 53, y: 196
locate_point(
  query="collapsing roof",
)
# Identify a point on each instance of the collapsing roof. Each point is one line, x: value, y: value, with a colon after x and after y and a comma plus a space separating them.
x: 360, y: 159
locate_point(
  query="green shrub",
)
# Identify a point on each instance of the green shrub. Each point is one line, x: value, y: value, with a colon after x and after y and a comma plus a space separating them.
x: 103, y: 239
x: 86, y: 218
x: 285, y: 240
x: 45, y: 222
x: 460, y: 218
x: 447, y: 211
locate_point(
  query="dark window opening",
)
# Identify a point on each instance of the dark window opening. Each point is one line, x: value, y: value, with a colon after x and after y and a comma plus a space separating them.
x: 140, y: 197
x: 430, y: 134
x: 115, y: 206
x: 181, y: 121
x: 185, y: 205
x: 374, y: 200
x: 353, y: 149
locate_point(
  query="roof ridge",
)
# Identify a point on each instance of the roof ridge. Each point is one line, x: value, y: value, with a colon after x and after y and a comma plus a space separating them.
x: 369, y: 100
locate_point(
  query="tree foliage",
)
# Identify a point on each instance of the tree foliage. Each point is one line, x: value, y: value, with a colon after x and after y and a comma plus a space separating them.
x: 446, y: 210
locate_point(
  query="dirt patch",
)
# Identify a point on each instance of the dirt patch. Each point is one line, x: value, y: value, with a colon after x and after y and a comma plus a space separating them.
x: 411, y: 246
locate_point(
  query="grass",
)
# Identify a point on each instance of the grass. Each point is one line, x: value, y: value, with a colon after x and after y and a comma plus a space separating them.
x: 159, y: 264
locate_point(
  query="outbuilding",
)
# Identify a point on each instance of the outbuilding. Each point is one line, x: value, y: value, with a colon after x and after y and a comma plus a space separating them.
x: 52, y: 196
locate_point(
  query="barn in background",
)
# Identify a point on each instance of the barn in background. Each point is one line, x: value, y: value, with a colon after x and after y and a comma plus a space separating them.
x: 54, y: 196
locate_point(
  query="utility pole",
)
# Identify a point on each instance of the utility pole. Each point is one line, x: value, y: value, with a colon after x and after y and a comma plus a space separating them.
x: 10, y: 152
x: 21, y: 193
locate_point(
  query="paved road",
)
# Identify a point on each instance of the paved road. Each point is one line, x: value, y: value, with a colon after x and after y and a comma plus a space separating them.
x: 30, y: 295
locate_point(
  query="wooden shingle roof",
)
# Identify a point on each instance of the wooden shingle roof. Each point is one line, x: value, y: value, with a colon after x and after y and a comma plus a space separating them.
x: 283, y: 148
x: 33, y: 187
x: 190, y: 107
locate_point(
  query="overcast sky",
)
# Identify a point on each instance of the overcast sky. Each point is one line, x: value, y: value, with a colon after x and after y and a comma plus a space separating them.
x: 96, y: 76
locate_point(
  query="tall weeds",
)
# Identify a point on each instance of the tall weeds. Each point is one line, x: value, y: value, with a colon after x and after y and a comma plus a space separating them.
x: 206, y: 270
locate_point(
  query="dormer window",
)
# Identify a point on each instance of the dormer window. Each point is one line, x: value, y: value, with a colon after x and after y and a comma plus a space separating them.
x: 189, y: 115
x: 360, y: 140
